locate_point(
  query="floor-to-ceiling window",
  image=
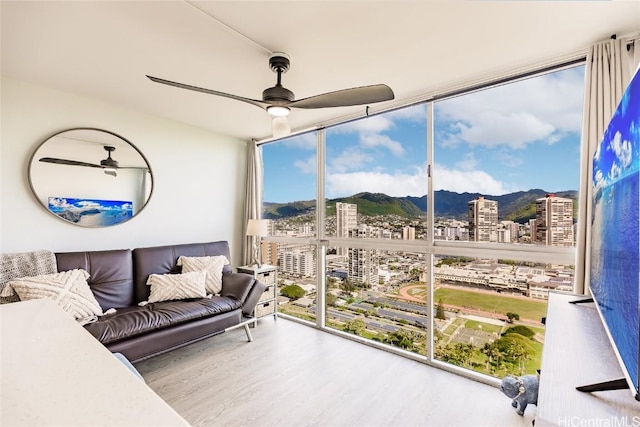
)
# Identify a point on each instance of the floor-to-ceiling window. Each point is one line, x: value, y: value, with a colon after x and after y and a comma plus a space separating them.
x: 376, y: 186
x: 506, y: 173
x: 290, y: 204
x: 463, y: 280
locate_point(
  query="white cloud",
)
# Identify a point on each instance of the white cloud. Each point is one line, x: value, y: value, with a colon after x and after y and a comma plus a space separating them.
x: 88, y: 204
x: 468, y: 163
x: 599, y: 179
x: 622, y: 149
x: 399, y: 184
x: 615, y: 172
x: 373, y: 140
x: 492, y: 129
x: 414, y: 183
x: 307, y: 166
x: 543, y: 108
x: 471, y: 181
x: 59, y: 203
x: 350, y: 159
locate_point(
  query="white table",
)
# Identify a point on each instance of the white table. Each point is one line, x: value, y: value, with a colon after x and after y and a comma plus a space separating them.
x: 577, y: 352
x: 53, y: 372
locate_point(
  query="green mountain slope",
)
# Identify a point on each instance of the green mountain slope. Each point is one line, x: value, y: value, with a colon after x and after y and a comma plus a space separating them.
x: 518, y: 206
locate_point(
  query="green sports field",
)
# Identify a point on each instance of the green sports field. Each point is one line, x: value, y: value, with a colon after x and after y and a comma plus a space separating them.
x: 492, y: 303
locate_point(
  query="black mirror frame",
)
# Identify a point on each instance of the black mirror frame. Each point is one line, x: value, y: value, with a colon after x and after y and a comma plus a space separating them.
x: 37, y: 197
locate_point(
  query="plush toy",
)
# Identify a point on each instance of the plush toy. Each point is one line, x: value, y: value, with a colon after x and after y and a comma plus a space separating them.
x: 523, y: 390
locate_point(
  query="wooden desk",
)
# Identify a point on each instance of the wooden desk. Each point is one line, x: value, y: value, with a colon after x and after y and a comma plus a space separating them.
x: 53, y: 372
x: 578, y: 352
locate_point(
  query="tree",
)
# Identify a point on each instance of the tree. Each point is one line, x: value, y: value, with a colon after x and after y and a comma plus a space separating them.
x: 512, y: 350
x: 293, y: 291
x: 355, y: 326
x: 401, y: 338
x: 513, y: 316
x: 440, y: 311
x: 520, y: 329
x: 457, y: 354
x: 494, y: 357
x: 348, y: 286
x: 331, y: 299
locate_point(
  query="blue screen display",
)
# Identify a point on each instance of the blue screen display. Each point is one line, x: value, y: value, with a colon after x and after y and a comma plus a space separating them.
x: 615, y: 247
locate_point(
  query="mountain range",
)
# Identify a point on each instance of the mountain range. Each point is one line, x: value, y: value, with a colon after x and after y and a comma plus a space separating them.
x: 519, y: 206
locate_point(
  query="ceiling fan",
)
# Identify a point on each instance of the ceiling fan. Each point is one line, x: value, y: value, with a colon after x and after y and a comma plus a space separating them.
x: 109, y: 164
x: 278, y: 100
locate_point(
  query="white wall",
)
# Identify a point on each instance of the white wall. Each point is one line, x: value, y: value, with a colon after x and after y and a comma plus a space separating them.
x: 199, y: 176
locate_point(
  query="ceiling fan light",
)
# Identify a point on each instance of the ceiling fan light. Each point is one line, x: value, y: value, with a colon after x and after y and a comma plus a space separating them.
x: 278, y: 110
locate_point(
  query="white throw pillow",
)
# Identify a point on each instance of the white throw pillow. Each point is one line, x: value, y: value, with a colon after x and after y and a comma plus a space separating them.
x: 166, y: 287
x: 69, y: 289
x: 213, y: 265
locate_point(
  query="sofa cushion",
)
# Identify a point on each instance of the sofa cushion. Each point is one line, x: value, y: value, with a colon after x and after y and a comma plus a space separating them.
x: 111, y: 275
x: 132, y: 321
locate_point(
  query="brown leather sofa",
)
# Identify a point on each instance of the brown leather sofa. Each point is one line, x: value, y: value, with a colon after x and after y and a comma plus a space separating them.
x: 118, y: 279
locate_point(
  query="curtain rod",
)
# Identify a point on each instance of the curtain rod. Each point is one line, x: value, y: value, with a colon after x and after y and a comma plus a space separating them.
x: 421, y: 99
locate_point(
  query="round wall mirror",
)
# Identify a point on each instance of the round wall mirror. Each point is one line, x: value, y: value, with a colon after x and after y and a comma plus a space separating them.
x: 90, y: 177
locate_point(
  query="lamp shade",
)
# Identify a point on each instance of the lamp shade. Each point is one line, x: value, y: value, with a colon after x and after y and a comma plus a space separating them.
x: 257, y: 227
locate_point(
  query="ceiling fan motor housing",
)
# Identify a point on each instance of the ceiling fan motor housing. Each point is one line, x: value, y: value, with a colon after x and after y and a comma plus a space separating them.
x: 279, y: 63
x: 277, y: 93
x: 109, y: 162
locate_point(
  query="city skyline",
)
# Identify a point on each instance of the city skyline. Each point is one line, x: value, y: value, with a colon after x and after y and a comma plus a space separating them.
x: 491, y: 142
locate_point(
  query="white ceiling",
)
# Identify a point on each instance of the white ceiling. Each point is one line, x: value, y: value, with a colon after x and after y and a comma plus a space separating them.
x: 104, y: 49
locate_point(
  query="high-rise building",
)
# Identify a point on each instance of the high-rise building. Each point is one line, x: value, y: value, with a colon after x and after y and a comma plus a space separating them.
x: 297, y: 262
x: 363, y: 263
x: 513, y: 228
x: 346, y: 219
x: 554, y: 221
x: 408, y: 233
x: 483, y: 220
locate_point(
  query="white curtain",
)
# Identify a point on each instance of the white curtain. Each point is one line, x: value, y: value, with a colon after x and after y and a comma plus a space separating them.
x: 609, y: 68
x: 253, y: 200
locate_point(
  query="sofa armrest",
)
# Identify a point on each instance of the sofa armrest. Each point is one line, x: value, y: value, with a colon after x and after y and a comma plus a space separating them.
x: 245, y: 288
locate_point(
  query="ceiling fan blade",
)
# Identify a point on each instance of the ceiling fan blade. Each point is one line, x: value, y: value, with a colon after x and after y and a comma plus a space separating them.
x: 110, y: 171
x: 68, y: 162
x: 133, y: 167
x: 280, y: 127
x: 346, y: 97
x: 255, y: 102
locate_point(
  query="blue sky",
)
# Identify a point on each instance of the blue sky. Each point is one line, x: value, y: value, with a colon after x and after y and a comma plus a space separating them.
x: 514, y: 137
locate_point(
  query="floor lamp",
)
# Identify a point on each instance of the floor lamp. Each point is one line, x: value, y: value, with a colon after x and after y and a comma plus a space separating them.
x: 256, y: 228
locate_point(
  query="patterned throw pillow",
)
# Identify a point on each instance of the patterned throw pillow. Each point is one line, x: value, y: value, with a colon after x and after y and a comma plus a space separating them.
x: 213, y: 265
x: 69, y: 289
x: 166, y: 287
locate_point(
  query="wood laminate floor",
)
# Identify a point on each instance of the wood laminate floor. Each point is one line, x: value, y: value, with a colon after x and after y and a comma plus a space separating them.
x: 295, y: 375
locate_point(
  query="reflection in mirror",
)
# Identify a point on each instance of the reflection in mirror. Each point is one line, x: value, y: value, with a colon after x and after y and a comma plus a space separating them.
x: 90, y: 177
